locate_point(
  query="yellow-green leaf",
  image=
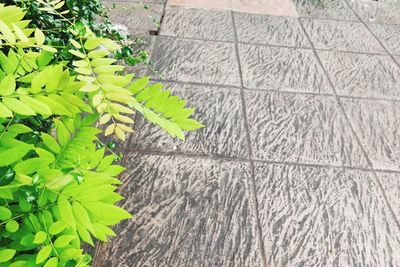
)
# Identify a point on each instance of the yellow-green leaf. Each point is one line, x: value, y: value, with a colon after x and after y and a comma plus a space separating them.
x: 7, y: 85
x: 20, y: 34
x: 18, y: 106
x: 39, y: 36
x: 6, y: 254
x: 43, y: 254
x: 4, y: 111
x: 7, y: 33
x: 77, y: 53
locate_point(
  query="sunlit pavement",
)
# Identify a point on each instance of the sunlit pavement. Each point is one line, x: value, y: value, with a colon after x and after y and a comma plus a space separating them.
x: 299, y: 162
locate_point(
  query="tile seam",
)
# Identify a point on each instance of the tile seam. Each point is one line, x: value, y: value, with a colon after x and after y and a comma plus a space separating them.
x: 252, y: 183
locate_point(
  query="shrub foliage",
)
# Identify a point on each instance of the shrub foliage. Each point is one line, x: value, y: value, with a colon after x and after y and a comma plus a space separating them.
x: 57, y: 187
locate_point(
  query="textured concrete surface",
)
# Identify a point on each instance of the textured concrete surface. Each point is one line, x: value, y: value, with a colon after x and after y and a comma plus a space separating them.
x: 299, y: 162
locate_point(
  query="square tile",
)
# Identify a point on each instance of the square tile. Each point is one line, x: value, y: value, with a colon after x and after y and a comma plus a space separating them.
x: 389, y: 35
x: 341, y: 36
x: 328, y: 9
x: 308, y: 129
x: 196, y: 61
x: 377, y: 11
x: 377, y: 125
x: 198, y: 23
x: 361, y: 75
x: 219, y: 109
x: 187, y: 212
x: 283, y: 69
x: 270, y: 30
x: 135, y: 15
x: 325, y: 217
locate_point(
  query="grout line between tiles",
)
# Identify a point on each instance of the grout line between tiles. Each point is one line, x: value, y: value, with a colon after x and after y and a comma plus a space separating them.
x: 252, y: 176
x: 272, y: 45
x: 273, y: 91
x: 351, y: 126
x: 262, y: 161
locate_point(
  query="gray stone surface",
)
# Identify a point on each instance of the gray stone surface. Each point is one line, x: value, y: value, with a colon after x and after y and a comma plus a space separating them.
x: 329, y: 9
x: 181, y: 214
x: 289, y: 171
x: 340, y: 36
x: 377, y: 124
x: 319, y: 217
x: 362, y: 75
x: 282, y: 69
x: 221, y: 111
x: 196, y: 61
x: 389, y: 35
x: 308, y: 129
x: 198, y: 23
x: 272, y: 30
x: 377, y: 11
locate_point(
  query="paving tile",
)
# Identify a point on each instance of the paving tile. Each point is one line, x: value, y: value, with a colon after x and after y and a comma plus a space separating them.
x: 198, y: 23
x: 361, y: 75
x: 329, y: 9
x: 219, y: 109
x: 389, y: 35
x: 341, y: 36
x: 272, y: 30
x: 377, y: 11
x: 377, y: 125
x: 134, y: 15
x: 196, y: 61
x: 187, y: 212
x: 284, y: 69
x: 317, y: 217
x: 310, y: 129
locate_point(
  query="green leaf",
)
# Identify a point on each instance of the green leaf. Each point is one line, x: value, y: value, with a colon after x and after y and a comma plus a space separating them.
x: 65, y: 210
x: 81, y: 215
x: 4, y: 111
x: 62, y: 133
x: 14, y: 154
x: 17, y: 106
x: 40, y: 237
x: 35, y: 105
x: 7, y: 33
x: 52, y: 262
x: 139, y: 85
x: 12, y: 226
x: 189, y: 124
x: 7, y: 85
x: 50, y: 142
x: 56, y: 227
x: 77, y: 53
x: 63, y: 241
x: 39, y: 37
x: 6, y: 254
x: 5, y: 213
x: 43, y: 254
x: 20, y: 34
x: 106, y: 212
